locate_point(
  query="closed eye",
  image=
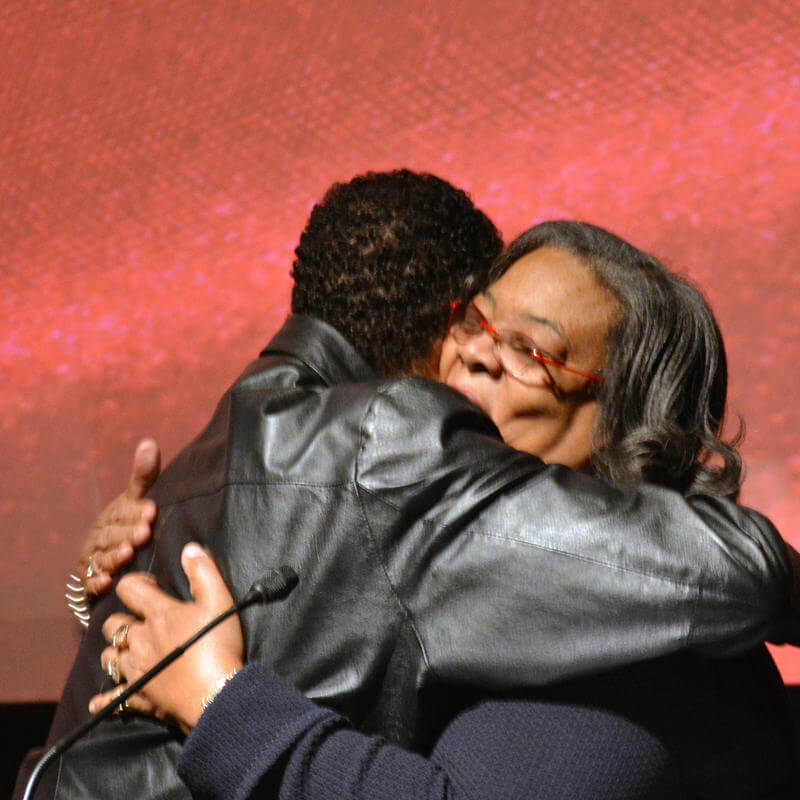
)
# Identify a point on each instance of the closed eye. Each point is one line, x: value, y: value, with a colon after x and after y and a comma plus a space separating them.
x: 524, y: 345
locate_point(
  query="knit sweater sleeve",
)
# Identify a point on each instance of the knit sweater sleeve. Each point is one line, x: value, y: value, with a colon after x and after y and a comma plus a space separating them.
x: 262, y: 739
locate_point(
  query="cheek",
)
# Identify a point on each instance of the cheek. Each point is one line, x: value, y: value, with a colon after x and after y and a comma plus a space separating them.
x: 515, y: 413
x: 555, y: 432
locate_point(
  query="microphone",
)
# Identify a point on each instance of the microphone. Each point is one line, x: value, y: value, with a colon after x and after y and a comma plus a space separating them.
x: 275, y: 584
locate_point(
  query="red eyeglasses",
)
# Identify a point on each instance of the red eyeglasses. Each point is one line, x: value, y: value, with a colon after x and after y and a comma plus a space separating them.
x: 519, y: 355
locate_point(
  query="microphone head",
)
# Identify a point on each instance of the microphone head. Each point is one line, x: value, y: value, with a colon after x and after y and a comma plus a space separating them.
x: 275, y: 584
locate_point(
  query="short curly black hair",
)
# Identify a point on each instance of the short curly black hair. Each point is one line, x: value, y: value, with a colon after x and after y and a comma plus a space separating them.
x: 381, y: 257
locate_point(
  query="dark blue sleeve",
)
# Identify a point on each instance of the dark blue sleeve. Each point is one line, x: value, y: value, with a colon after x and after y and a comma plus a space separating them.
x: 261, y: 738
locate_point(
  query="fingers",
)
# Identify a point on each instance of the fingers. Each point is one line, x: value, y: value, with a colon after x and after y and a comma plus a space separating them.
x: 125, y: 511
x: 122, y: 522
x: 114, y: 622
x: 121, y: 666
x: 136, y: 702
x: 105, y: 564
x: 107, y: 550
x: 139, y: 592
x: 123, y: 525
x: 98, y: 584
x: 109, y: 655
x: 146, y: 466
x: 205, y: 582
x: 128, y: 656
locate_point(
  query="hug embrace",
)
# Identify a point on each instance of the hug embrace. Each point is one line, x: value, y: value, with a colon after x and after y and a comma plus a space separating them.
x: 500, y: 476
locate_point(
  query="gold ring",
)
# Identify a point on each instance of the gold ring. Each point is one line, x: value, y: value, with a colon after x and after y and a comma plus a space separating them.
x: 123, y: 706
x: 91, y: 568
x: 119, y: 638
x: 113, y: 671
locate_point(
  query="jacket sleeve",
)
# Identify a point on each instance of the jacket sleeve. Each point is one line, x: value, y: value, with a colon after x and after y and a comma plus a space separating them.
x: 513, y: 572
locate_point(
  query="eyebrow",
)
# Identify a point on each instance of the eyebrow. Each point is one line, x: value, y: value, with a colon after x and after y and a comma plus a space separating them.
x: 534, y: 318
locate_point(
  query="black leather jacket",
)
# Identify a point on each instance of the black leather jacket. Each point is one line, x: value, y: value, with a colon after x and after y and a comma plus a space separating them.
x: 428, y: 552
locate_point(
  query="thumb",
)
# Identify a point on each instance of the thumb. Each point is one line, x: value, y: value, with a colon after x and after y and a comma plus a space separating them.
x: 146, y: 466
x: 205, y: 582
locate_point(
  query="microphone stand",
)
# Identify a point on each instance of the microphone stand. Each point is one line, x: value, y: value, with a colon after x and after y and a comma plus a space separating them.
x: 275, y: 585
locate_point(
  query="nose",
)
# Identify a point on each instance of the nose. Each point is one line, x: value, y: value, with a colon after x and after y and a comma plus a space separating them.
x: 479, y: 354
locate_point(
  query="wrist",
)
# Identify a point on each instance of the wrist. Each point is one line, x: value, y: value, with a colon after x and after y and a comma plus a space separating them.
x: 222, y: 676
x: 77, y: 600
x: 218, y: 686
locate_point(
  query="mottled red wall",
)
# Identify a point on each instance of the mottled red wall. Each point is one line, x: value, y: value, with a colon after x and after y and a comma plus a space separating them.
x: 157, y: 160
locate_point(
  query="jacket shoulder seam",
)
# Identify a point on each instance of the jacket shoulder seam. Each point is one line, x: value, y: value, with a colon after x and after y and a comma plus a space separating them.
x: 371, y: 533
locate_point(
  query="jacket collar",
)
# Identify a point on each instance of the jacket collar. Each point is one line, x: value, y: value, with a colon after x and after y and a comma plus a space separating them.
x: 321, y: 348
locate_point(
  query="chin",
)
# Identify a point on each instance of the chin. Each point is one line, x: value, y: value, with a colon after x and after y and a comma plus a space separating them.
x: 551, y: 452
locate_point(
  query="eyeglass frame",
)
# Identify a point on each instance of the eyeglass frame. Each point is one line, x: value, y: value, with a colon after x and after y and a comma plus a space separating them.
x: 533, y: 352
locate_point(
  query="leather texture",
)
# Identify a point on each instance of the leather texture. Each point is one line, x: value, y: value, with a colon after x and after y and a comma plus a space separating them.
x: 429, y: 553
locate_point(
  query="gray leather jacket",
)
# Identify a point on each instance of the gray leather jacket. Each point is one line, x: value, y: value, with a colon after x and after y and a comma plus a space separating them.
x: 428, y: 553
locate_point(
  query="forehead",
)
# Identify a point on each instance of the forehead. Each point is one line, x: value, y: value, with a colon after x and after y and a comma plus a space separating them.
x: 552, y: 288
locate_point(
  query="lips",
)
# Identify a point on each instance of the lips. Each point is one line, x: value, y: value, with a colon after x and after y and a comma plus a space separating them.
x: 470, y: 396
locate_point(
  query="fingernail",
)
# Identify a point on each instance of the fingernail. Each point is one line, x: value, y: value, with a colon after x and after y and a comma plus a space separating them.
x: 193, y: 550
x: 92, y: 706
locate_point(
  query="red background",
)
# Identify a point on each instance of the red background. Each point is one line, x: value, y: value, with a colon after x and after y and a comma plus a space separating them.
x: 158, y: 159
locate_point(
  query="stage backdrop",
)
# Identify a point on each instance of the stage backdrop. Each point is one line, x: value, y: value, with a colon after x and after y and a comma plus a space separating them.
x: 157, y: 161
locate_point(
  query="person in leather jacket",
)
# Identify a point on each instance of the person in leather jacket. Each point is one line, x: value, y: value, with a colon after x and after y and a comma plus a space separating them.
x: 401, y: 507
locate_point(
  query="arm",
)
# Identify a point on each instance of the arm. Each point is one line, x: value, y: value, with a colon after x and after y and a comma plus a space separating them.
x: 260, y: 736
x: 262, y: 717
x: 562, y: 574
x: 582, y: 575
